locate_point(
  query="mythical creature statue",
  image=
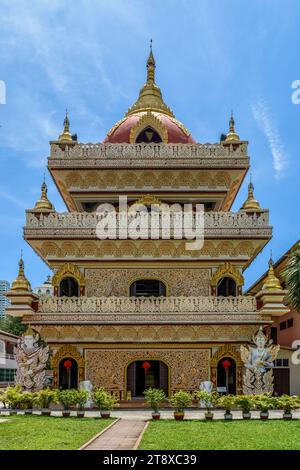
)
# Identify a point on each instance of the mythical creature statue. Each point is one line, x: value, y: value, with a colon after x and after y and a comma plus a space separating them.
x: 31, y: 361
x: 258, y: 377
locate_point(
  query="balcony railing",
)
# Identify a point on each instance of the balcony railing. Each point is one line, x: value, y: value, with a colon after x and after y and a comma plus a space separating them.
x: 147, y: 154
x: 147, y: 305
x: 87, y: 221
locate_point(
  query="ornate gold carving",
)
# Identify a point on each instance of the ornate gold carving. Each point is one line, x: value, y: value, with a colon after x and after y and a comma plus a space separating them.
x: 148, y: 119
x: 68, y: 269
x: 101, y: 363
x: 227, y: 270
x: 108, y: 282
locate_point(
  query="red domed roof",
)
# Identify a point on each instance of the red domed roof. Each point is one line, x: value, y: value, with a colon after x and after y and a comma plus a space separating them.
x: 174, y: 131
x: 151, y: 111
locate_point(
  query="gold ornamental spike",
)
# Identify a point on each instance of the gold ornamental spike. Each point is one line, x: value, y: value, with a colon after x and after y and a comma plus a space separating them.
x: 21, y: 283
x: 232, y: 135
x: 251, y: 203
x: 271, y: 282
x: 66, y: 135
x: 43, y: 204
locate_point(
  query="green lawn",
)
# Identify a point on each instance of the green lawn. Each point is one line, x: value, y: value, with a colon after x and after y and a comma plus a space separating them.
x: 192, y: 435
x: 48, y: 433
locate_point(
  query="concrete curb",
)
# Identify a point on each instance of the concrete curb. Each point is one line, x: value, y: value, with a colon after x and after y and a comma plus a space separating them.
x: 99, y: 434
x: 138, y: 441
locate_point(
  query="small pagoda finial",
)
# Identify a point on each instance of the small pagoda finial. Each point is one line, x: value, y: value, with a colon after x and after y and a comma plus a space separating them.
x: 232, y: 135
x: 272, y: 282
x: 251, y: 203
x: 151, y: 67
x: 43, y: 204
x: 66, y: 135
x: 21, y: 283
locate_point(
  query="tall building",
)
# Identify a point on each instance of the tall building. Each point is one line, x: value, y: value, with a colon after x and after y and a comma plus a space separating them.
x: 130, y: 312
x: 4, y: 302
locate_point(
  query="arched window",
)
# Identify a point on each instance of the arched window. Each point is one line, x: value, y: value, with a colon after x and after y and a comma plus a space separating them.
x: 227, y: 287
x: 48, y: 291
x: 68, y: 287
x: 148, y: 135
x: 148, y: 288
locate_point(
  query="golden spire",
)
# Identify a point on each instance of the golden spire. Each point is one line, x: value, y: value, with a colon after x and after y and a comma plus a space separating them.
x: 232, y: 135
x: 271, y: 282
x: 251, y: 203
x: 66, y: 135
x: 150, y: 97
x: 43, y: 204
x: 21, y: 283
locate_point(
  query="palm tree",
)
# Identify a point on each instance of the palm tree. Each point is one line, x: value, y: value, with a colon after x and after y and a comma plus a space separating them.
x: 292, y: 278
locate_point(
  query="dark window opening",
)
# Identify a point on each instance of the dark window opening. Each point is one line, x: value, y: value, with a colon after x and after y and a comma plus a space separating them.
x: 282, y: 325
x: 68, y: 373
x: 144, y: 374
x: 68, y: 287
x: 273, y: 335
x: 227, y: 287
x: 290, y: 323
x: 148, y: 136
x: 226, y: 376
x: 148, y: 288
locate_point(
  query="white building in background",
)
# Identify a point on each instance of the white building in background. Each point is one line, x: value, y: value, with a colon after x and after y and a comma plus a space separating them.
x: 44, y: 289
x: 4, y: 302
x: 8, y: 365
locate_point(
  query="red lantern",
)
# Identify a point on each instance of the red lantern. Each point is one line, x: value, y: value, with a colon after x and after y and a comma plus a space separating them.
x: 146, y: 366
x: 68, y: 364
x: 226, y: 364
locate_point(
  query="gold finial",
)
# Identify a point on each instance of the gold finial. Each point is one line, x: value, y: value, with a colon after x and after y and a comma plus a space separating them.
x: 21, y: 283
x: 251, y: 203
x: 232, y: 135
x: 43, y: 204
x: 66, y: 135
x: 271, y: 282
x: 150, y: 97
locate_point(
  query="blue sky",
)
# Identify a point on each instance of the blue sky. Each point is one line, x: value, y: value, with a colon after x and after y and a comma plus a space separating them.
x: 89, y: 56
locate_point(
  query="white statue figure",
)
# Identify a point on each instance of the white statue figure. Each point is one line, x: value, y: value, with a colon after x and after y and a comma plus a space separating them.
x: 206, y: 386
x: 87, y: 385
x: 31, y: 361
x: 258, y: 377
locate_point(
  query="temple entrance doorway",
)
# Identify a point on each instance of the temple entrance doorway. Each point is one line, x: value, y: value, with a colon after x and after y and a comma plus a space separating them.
x: 144, y: 374
x: 226, y: 375
x: 68, y: 373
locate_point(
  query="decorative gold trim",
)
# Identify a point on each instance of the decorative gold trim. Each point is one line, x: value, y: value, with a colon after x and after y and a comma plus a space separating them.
x: 148, y: 119
x: 115, y: 126
x: 227, y: 270
x: 67, y: 350
x: 68, y: 269
x: 181, y: 126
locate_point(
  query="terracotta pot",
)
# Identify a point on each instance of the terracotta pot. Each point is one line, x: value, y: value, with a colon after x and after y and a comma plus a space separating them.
x: 264, y: 415
x: 105, y: 414
x: 178, y: 415
x: 80, y: 413
x: 46, y: 412
x: 156, y: 415
x: 66, y: 413
x: 246, y: 415
x: 209, y: 416
x: 228, y: 416
x: 287, y: 416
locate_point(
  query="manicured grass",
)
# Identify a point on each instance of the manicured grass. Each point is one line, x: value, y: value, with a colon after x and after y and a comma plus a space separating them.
x: 48, y: 433
x: 217, y: 435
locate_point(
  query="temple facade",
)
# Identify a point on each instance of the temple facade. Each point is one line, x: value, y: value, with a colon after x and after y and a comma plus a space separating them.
x: 136, y: 312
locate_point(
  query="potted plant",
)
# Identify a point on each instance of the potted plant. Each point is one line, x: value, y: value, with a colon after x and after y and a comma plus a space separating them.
x: 81, y: 398
x: 44, y: 398
x: 209, y: 399
x: 27, y: 402
x: 245, y: 403
x: 67, y: 398
x: 13, y: 398
x: 104, y: 401
x: 227, y: 402
x: 154, y: 397
x: 287, y: 404
x: 264, y: 403
x: 179, y: 401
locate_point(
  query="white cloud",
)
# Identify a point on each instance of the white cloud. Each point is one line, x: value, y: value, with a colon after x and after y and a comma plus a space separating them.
x: 265, y: 120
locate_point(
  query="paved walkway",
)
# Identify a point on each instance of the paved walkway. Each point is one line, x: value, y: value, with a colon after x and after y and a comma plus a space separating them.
x: 121, y: 436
